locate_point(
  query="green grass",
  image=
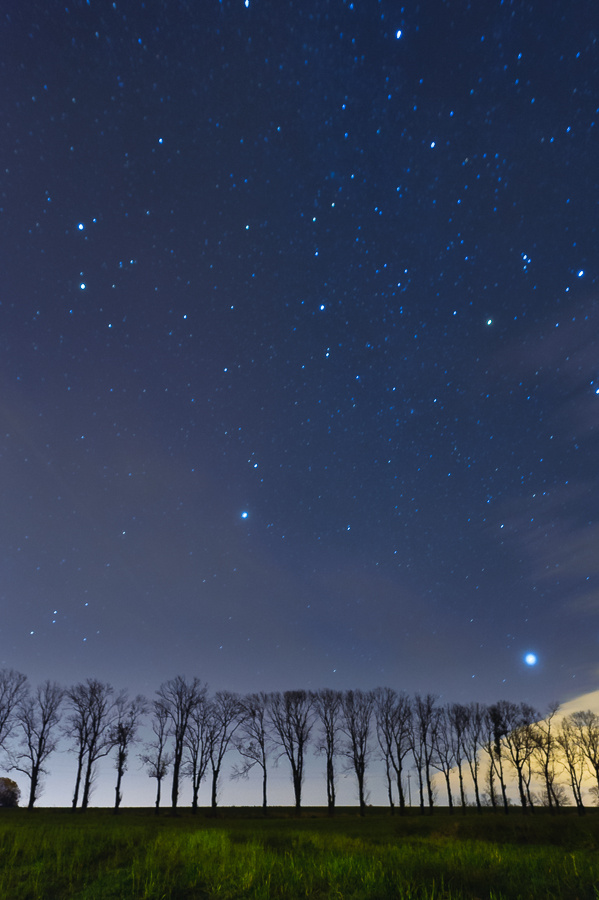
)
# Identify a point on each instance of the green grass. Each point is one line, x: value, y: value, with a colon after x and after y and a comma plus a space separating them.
x: 54, y: 854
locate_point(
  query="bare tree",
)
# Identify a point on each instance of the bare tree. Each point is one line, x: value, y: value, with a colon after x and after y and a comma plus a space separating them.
x: 123, y: 733
x: 38, y: 715
x: 423, y: 744
x: 93, y: 712
x: 292, y: 717
x: 327, y: 704
x: 545, y: 756
x: 13, y: 689
x: 254, y: 741
x: 197, y: 744
x: 527, y: 774
x: 393, y: 713
x: 224, y: 720
x: 156, y: 757
x: 586, y: 726
x: 490, y: 795
x: 356, y: 716
x: 495, y: 730
x: 458, y: 718
x: 519, y: 740
x: 76, y: 729
x: 179, y: 699
x: 573, y: 757
x: 384, y: 701
x: 472, y: 743
x: 443, y: 757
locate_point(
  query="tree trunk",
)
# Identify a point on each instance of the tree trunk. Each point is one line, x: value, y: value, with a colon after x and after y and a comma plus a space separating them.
x: 429, y: 788
x: 479, y: 805
x: 553, y: 807
x: 77, y: 782
x: 33, y: 786
x: 521, y: 791
x: 264, y: 800
x: 360, y: 775
x: 421, y: 790
x: 158, y: 787
x: 117, y: 791
x: 87, y: 784
x: 504, y: 795
x: 330, y: 786
x: 215, y: 774
x: 297, y: 789
x: 449, y: 796
x: 389, y: 786
x: 402, y: 799
x: 462, y: 794
x: 175, y: 790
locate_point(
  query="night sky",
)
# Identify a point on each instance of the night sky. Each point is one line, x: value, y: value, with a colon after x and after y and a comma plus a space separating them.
x: 298, y: 344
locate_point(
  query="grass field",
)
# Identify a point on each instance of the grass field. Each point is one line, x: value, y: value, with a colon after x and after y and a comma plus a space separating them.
x: 55, y: 854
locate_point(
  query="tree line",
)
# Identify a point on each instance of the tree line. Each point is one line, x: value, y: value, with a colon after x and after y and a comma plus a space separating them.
x: 192, y: 732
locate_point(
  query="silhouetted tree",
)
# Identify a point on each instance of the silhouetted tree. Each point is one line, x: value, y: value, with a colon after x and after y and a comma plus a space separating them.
x: 254, y: 742
x: 472, y: 742
x: 393, y: 713
x: 356, y: 715
x: 458, y: 718
x: 519, y: 740
x: 75, y: 729
x: 38, y: 716
x: 179, y: 699
x: 156, y: 757
x: 224, y: 720
x: 573, y: 756
x: 423, y: 744
x: 123, y: 733
x: 494, y: 733
x: 545, y: 754
x: 92, y: 714
x: 489, y: 797
x: 327, y: 704
x: 13, y: 689
x: 10, y: 792
x: 292, y: 717
x: 383, y: 706
x: 443, y: 757
x: 586, y: 727
x: 197, y: 744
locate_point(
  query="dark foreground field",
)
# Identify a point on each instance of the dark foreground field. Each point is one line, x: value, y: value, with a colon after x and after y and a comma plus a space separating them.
x: 55, y: 854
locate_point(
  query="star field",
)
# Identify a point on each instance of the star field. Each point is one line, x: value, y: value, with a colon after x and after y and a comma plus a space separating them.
x: 298, y: 345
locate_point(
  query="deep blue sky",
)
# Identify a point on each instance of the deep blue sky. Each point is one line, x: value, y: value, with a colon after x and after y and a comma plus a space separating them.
x: 277, y: 259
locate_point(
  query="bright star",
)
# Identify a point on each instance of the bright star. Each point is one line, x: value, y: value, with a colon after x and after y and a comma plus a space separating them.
x: 244, y: 515
x: 581, y: 273
x: 398, y: 34
x: 80, y: 226
x: 489, y: 321
x: 82, y: 285
x: 530, y: 659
